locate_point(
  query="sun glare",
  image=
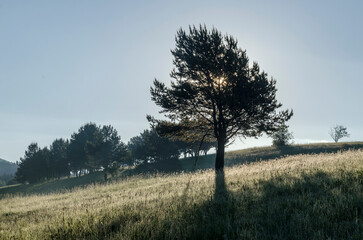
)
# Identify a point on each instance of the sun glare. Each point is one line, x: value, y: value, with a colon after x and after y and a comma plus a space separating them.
x: 220, y: 81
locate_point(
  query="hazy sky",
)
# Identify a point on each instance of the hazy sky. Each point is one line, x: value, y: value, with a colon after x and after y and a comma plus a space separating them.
x: 65, y: 63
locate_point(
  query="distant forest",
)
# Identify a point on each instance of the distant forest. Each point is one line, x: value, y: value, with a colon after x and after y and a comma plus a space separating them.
x: 99, y: 148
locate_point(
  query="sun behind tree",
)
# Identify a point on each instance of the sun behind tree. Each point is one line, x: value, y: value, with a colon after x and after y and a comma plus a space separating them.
x: 214, y: 85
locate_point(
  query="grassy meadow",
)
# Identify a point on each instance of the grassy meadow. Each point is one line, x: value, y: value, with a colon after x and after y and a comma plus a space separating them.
x: 266, y: 153
x: 317, y: 196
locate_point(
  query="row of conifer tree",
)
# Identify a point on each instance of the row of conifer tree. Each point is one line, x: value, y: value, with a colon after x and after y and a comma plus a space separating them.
x: 99, y: 148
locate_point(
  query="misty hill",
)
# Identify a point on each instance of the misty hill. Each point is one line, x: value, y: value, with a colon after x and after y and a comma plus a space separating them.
x: 7, y: 171
x: 7, y: 168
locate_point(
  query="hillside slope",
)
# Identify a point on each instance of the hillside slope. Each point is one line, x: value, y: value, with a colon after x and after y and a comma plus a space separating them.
x: 204, y: 162
x: 7, y: 171
x: 296, y: 197
x: 266, y: 153
x: 7, y: 168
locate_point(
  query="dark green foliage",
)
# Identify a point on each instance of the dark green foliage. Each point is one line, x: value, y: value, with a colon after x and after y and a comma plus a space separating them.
x: 137, y: 147
x: 154, y: 151
x: 106, y: 150
x: 282, y: 137
x: 214, y: 84
x: 160, y: 149
x: 207, y: 145
x: 92, y: 148
x: 41, y: 164
x: 59, y: 163
x: 191, y: 136
x: 34, y: 166
x: 77, y: 150
x: 337, y: 132
x: 194, y: 147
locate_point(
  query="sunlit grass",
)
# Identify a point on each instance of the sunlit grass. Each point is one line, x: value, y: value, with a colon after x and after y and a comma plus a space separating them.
x: 270, y: 152
x: 297, y: 197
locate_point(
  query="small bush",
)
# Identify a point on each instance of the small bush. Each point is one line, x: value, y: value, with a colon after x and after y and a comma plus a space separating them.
x: 282, y: 137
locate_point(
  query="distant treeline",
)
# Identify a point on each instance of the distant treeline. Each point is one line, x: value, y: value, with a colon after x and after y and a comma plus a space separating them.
x: 99, y: 148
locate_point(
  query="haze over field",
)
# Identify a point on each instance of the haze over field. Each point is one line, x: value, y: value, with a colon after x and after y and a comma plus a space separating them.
x: 66, y: 63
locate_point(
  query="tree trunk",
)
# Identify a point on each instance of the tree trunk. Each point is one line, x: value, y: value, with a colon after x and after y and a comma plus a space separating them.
x: 220, y: 155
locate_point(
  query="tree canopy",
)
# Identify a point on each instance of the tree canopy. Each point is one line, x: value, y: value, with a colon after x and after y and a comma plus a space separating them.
x: 337, y: 132
x: 92, y: 148
x: 33, y: 166
x: 59, y: 165
x: 282, y: 137
x: 216, y: 90
x: 149, y: 147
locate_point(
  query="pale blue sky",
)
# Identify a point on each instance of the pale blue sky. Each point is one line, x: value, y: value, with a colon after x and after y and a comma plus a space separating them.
x: 65, y: 63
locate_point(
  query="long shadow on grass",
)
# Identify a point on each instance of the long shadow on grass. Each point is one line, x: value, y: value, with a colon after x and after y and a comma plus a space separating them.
x: 312, y: 206
x: 213, y: 219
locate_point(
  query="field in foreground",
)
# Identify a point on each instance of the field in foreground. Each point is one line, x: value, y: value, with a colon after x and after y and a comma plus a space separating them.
x: 296, y: 197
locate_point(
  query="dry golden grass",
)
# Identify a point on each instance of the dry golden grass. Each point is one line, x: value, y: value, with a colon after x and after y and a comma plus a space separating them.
x: 297, y: 197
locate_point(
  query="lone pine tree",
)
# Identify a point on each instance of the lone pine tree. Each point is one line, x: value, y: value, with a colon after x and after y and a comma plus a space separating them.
x: 214, y: 84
